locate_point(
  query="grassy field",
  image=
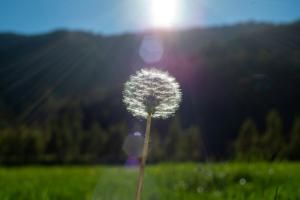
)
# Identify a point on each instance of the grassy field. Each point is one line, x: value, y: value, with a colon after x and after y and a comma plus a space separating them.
x: 162, y: 182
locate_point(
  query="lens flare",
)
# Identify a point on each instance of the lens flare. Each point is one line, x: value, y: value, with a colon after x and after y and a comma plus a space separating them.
x: 133, y: 145
x: 151, y: 49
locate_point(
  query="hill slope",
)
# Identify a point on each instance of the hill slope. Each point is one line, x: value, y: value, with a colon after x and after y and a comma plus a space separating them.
x: 227, y: 74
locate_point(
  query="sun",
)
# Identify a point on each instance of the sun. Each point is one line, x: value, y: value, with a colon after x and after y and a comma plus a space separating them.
x: 164, y: 13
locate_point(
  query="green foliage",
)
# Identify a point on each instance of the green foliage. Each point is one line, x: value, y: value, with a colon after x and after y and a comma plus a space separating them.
x: 272, y: 144
x: 61, y: 139
x: 247, y: 145
x: 113, y: 147
x: 189, y: 181
x: 157, y: 150
x: 292, y: 150
x: 172, y: 139
x: 189, y: 146
x: 93, y: 143
x: 183, y: 145
x: 21, y: 145
x: 65, y: 139
x: 273, y: 141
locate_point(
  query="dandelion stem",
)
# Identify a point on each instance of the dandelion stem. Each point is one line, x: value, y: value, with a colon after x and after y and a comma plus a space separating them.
x: 140, y: 181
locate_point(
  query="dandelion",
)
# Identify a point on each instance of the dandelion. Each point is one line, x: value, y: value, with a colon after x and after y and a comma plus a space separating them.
x: 150, y: 93
x: 243, y: 181
x: 200, y: 189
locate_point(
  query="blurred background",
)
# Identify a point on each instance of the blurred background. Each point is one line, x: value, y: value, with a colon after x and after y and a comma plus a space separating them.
x: 63, y: 65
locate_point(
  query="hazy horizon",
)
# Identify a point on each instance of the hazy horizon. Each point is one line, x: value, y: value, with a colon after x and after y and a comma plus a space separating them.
x: 149, y: 29
x: 130, y: 16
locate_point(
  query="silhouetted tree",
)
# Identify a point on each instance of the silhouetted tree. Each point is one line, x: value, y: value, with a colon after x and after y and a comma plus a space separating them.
x: 172, y: 139
x: 189, y: 145
x: 93, y: 143
x: 195, y: 141
x: 292, y: 150
x: 273, y: 141
x: 247, y: 145
x: 113, y: 148
x: 31, y: 143
x: 7, y: 140
x: 156, y: 148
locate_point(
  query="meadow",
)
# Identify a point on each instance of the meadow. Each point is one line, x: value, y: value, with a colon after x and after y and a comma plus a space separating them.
x: 169, y: 181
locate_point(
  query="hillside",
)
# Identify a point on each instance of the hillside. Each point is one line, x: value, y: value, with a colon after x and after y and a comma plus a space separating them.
x: 226, y: 73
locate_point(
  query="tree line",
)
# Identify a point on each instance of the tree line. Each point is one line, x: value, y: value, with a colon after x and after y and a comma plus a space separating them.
x: 65, y: 139
x: 270, y: 144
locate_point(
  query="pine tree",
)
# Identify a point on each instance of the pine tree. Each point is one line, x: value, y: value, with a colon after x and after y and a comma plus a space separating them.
x: 7, y: 136
x: 247, y: 143
x: 189, y: 145
x: 31, y: 144
x: 93, y: 143
x: 116, y: 136
x: 292, y: 151
x: 156, y: 150
x: 172, y: 140
x: 273, y: 141
x: 195, y: 143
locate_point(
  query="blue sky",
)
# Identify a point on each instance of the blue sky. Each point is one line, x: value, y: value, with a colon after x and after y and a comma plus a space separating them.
x: 117, y: 16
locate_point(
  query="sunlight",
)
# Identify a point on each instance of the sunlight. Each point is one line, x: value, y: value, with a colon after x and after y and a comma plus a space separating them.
x: 164, y: 12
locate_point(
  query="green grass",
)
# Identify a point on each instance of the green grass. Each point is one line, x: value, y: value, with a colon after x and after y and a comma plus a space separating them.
x: 162, y: 182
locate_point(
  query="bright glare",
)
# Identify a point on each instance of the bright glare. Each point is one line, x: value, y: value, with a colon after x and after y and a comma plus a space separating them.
x: 164, y: 12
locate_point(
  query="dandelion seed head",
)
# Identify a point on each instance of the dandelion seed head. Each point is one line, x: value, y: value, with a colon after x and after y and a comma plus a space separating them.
x: 151, y: 91
x: 200, y: 189
x: 243, y: 181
